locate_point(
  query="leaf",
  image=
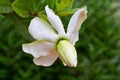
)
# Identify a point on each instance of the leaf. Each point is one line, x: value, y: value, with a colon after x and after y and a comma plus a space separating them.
x: 5, y: 2
x: 3, y: 73
x: 4, y: 9
x: 21, y: 27
x: 51, y: 3
x: 27, y: 8
x: 5, y: 6
x: 68, y: 12
x: 63, y: 4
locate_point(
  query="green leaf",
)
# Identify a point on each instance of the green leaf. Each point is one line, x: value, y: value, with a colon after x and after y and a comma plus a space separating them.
x: 68, y: 12
x: 5, y: 6
x: 3, y: 73
x: 21, y: 27
x: 4, y: 9
x: 63, y: 4
x: 51, y: 3
x: 28, y: 8
x: 5, y: 2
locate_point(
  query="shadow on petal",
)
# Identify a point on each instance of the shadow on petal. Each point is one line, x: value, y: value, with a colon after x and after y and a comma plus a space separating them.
x: 46, y: 60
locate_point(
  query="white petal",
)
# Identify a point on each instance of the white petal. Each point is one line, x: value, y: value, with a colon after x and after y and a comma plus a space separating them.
x: 75, y: 24
x: 46, y: 60
x: 41, y: 30
x: 38, y: 48
x: 55, y: 21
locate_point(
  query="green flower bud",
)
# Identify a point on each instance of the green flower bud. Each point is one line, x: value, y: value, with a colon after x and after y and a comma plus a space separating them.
x: 67, y: 53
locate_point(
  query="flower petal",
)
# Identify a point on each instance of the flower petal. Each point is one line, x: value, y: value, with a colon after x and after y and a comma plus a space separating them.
x: 46, y: 60
x: 40, y: 29
x: 75, y: 24
x: 38, y: 48
x: 55, y: 21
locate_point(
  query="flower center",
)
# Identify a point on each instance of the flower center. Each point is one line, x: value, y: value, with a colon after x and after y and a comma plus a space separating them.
x: 59, y: 39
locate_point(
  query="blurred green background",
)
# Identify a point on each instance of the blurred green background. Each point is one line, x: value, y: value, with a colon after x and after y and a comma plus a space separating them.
x: 98, y: 48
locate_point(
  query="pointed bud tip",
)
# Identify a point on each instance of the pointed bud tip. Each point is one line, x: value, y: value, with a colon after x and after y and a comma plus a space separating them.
x: 74, y: 64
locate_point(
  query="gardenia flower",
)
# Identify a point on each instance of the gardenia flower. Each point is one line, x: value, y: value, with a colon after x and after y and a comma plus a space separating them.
x: 51, y: 39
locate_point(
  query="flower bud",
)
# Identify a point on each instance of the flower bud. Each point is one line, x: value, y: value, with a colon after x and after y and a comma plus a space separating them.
x: 67, y: 53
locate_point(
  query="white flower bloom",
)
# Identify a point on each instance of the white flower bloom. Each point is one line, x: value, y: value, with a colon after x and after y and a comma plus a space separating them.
x: 52, y: 41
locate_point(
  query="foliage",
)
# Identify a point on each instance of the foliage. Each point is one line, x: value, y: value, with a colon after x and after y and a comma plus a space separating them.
x: 98, y: 47
x: 5, y: 6
x: 27, y: 8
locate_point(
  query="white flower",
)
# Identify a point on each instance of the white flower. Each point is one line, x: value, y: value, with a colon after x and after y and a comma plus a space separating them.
x: 51, y: 39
